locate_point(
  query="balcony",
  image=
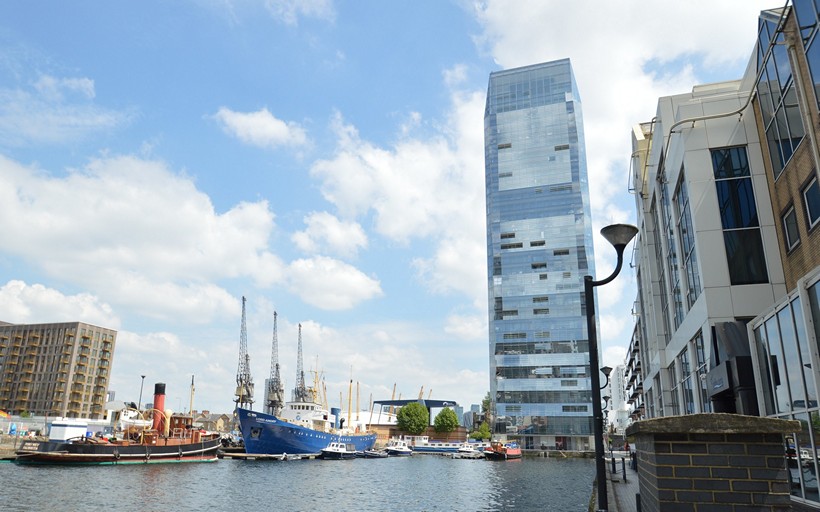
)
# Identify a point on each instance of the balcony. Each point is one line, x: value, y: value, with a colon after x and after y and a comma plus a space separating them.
x: 85, y: 341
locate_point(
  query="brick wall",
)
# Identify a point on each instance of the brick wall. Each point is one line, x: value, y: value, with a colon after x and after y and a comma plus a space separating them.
x: 712, y: 462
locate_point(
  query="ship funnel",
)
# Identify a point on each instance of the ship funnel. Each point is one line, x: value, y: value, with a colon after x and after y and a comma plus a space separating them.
x: 159, y: 407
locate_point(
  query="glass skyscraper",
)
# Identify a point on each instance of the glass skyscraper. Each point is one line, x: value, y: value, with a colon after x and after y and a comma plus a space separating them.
x: 539, y: 248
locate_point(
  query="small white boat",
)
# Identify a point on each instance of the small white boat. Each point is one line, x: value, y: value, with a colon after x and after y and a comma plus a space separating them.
x: 336, y: 450
x: 375, y: 454
x: 397, y: 447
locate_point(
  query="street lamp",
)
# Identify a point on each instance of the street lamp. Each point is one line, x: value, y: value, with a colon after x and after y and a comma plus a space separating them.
x: 139, y: 403
x: 619, y: 235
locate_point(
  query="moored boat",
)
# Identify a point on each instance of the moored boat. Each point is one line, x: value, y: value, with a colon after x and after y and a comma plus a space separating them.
x: 423, y: 444
x: 301, y: 428
x: 338, y: 451
x: 503, y: 451
x: 170, y: 439
x: 397, y: 447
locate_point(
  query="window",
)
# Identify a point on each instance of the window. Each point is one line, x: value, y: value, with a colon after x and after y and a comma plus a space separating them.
x: 538, y: 265
x: 811, y: 199
x: 507, y: 235
x: 541, y: 299
x: 686, y: 232
x: 517, y: 245
x: 541, y: 311
x: 537, y: 243
x: 777, y: 95
x: 790, y: 231
x: 560, y: 252
x: 738, y: 215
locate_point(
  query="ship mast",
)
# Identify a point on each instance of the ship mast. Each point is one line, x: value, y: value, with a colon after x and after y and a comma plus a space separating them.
x: 244, y: 380
x: 301, y: 392
x: 276, y: 390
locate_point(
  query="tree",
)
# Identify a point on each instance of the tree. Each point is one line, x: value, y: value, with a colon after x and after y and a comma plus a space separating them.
x: 413, y: 418
x: 446, y: 420
x: 482, y: 433
x: 485, y: 404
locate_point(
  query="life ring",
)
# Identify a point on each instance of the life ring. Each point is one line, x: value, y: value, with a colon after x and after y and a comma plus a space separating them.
x: 298, y: 417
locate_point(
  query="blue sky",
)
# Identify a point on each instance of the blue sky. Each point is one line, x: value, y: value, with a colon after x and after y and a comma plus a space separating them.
x: 159, y: 160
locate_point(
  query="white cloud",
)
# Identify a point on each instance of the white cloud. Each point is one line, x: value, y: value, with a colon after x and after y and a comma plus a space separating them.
x: 21, y: 303
x: 421, y: 189
x: 289, y: 11
x: 325, y: 234
x: 261, y: 128
x: 134, y: 232
x: 52, y: 88
x: 52, y: 113
x: 330, y: 284
x: 467, y: 327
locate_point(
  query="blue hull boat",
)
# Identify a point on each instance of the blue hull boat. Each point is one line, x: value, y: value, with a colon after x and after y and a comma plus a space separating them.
x: 267, y: 434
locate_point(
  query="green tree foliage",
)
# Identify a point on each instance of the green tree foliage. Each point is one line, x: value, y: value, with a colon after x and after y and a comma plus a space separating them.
x: 446, y: 420
x: 485, y: 404
x: 413, y: 418
x: 482, y: 433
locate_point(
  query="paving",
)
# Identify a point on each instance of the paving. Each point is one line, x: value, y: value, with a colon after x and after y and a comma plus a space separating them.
x: 622, y: 493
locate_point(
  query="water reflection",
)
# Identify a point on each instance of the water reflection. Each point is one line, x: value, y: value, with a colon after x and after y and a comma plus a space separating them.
x: 402, y: 483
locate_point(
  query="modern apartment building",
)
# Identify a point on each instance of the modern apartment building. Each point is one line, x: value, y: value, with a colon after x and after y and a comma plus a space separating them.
x: 59, y: 369
x: 539, y: 248
x: 726, y: 184
x: 785, y: 335
x: 707, y: 251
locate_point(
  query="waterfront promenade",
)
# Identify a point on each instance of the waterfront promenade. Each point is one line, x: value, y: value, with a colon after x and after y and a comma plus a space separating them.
x: 621, y: 494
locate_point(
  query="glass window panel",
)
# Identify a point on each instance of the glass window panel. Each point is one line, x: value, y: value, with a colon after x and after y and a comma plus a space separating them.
x: 790, y: 229
x: 730, y: 162
x: 775, y: 151
x: 794, y: 119
x: 791, y: 356
x: 779, y: 372
x: 813, y: 57
x: 765, y: 98
x: 805, y: 355
x: 744, y: 255
x: 781, y: 59
x: 736, y: 201
x: 806, y: 15
x: 767, y: 388
x: 811, y: 197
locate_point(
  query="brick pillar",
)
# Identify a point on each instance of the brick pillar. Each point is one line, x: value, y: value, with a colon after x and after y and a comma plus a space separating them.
x: 706, y: 462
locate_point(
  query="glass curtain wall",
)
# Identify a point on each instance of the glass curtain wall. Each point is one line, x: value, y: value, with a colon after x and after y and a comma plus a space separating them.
x: 539, y: 248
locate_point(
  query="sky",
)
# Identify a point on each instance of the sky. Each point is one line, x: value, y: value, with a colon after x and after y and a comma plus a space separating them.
x: 322, y: 158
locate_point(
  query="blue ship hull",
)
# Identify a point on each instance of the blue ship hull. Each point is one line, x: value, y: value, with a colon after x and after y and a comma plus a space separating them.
x: 267, y: 434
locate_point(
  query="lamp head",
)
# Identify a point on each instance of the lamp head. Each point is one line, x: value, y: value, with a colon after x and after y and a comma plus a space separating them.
x: 606, y: 370
x: 619, y: 234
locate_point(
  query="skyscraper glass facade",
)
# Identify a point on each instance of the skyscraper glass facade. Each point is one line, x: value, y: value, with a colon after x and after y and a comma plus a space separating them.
x: 539, y: 248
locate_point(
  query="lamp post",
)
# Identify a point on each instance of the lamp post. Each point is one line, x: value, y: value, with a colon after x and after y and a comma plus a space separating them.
x: 619, y: 235
x: 139, y: 402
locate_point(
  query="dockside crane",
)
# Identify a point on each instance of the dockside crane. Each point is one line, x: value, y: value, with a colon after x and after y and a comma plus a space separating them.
x: 276, y: 390
x: 244, y: 380
x: 300, y: 393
